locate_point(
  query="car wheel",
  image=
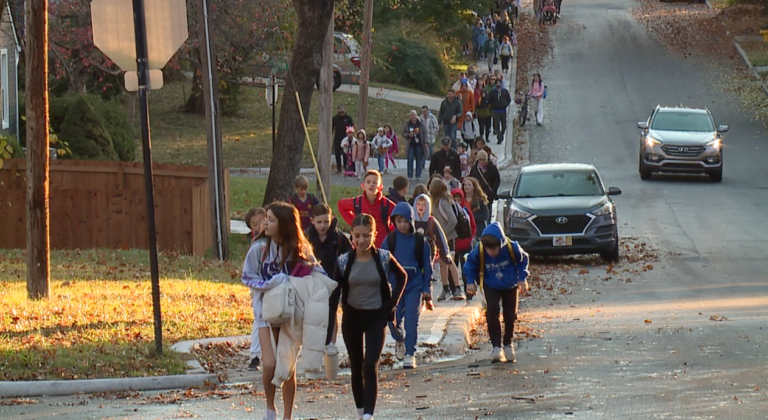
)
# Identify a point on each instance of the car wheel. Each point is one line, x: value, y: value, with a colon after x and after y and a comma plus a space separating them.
x: 645, y: 172
x: 336, y: 81
x: 717, y: 176
x: 613, y: 254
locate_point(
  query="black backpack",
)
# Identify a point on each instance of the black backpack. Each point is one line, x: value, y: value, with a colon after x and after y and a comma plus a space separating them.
x: 392, y: 243
x: 463, y: 227
x: 357, y: 202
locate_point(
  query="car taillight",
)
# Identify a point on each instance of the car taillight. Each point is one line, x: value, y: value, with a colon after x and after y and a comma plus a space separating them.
x: 355, y: 61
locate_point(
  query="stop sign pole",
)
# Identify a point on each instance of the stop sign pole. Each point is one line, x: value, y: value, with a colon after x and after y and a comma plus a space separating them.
x: 142, y: 63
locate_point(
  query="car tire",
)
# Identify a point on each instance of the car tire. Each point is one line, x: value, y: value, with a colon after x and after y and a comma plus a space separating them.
x: 336, y: 81
x: 612, y: 256
x: 645, y: 172
x: 717, y: 176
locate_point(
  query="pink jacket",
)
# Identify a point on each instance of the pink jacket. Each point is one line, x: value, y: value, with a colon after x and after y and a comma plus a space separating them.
x: 537, y: 90
x: 361, y: 150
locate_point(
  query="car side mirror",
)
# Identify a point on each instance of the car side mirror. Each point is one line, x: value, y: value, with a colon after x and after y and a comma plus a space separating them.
x: 722, y: 128
x: 504, y: 195
x: 642, y: 125
x: 614, y: 191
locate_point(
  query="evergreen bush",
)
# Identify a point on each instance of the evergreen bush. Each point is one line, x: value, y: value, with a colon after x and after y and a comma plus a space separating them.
x: 83, y: 129
x: 414, y: 64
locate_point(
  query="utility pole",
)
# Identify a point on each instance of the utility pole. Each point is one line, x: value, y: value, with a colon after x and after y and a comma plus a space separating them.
x: 213, y: 127
x: 38, y: 234
x: 365, y: 65
x: 325, y: 142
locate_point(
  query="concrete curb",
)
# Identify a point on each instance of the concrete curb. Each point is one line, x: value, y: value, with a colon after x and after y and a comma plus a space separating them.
x: 458, y: 331
x: 509, y: 141
x: 744, y: 56
x: 51, y: 388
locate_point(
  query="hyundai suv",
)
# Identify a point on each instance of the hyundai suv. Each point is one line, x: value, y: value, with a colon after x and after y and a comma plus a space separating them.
x: 680, y: 139
x: 562, y: 208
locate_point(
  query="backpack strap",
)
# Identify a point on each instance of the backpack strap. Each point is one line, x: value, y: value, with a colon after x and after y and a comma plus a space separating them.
x: 420, y: 251
x: 392, y: 242
x: 385, y: 214
x: 357, y: 202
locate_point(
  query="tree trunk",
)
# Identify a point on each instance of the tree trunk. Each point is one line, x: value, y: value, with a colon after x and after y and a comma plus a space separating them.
x: 196, y: 102
x: 365, y: 65
x: 38, y: 239
x: 313, y: 20
x: 324, y: 129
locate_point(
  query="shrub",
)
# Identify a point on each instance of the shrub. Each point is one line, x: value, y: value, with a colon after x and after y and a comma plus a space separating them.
x: 120, y: 129
x: 84, y: 131
x: 411, y: 63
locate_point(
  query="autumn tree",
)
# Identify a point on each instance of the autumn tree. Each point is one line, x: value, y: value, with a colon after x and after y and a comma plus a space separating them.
x: 313, y: 19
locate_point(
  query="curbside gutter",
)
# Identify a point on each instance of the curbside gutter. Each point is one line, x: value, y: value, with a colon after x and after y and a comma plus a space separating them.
x: 458, y: 331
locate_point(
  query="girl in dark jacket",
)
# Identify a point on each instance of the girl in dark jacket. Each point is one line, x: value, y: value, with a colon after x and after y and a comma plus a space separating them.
x: 486, y: 173
x: 369, y: 304
x: 484, y: 113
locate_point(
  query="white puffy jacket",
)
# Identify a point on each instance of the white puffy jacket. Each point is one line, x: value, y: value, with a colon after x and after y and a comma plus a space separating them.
x: 309, y: 328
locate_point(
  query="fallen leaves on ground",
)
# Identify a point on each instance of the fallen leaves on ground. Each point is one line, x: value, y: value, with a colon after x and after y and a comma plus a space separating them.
x: 718, y: 318
x: 18, y: 401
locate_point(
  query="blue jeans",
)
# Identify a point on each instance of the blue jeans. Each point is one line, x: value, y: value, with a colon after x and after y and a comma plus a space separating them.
x: 415, y: 152
x: 450, y: 131
x: 409, y: 310
x: 380, y: 159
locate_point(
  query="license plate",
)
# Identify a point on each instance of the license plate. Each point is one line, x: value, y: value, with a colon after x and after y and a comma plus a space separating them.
x: 562, y: 241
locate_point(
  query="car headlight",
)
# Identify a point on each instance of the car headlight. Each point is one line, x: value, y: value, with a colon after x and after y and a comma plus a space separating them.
x: 605, y: 209
x: 715, y: 144
x: 517, y: 213
x: 651, y: 142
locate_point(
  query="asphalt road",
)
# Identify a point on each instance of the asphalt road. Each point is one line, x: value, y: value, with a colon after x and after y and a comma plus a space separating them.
x: 652, y: 348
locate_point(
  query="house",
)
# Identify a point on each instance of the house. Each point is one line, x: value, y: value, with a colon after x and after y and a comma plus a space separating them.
x: 10, y: 50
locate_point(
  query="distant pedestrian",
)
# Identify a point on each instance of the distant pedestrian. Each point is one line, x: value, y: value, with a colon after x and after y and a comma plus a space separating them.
x: 369, y: 302
x: 499, y: 266
x: 394, y: 149
x: 491, y: 50
x: 413, y: 132
x: 346, y: 146
x: 500, y: 100
x: 380, y: 146
x: 505, y: 52
x: 470, y: 129
x: 450, y: 112
x: 431, y: 129
x: 479, y: 145
x: 484, y: 115
x: 445, y: 157
x: 538, y: 92
x: 461, y: 150
x: 537, y: 9
x: 412, y: 251
x: 361, y: 151
x: 466, y: 95
x: 339, y: 127
x: 464, y: 246
x: 482, y: 36
x: 487, y: 175
x: 303, y: 201
x: 254, y: 220
x: 503, y: 27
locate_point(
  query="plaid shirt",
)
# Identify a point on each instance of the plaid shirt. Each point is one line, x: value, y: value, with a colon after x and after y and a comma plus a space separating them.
x: 431, y: 127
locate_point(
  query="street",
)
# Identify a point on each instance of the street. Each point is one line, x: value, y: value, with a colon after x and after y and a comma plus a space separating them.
x: 677, y: 335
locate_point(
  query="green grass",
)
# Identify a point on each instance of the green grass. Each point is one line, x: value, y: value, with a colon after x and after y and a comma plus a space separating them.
x: 757, y: 52
x: 247, y: 192
x: 246, y: 139
x: 98, y: 322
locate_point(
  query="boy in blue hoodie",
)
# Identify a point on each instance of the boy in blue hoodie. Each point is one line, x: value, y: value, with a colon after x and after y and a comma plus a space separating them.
x: 500, y: 266
x: 412, y: 251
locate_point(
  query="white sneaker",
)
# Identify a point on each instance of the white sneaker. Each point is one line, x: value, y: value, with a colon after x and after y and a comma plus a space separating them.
x: 497, y: 356
x: 368, y: 417
x: 359, y: 412
x: 400, y: 350
x: 509, y: 354
x: 410, y: 362
x: 270, y: 415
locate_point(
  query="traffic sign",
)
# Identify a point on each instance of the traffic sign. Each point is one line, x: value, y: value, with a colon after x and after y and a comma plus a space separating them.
x: 113, y: 31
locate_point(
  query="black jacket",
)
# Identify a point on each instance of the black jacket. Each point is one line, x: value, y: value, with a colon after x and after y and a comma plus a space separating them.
x: 339, y: 126
x: 489, y: 181
x: 499, y: 99
x: 395, y: 197
x: 503, y: 28
x: 449, y: 110
x: 440, y: 160
x: 335, y: 244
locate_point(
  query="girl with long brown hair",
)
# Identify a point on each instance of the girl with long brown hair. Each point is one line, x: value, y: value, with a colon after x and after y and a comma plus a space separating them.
x: 275, y: 253
x: 476, y: 200
x: 369, y: 303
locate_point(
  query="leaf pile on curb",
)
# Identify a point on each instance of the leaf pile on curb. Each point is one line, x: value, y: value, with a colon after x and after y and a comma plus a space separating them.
x: 534, y: 47
x: 218, y: 358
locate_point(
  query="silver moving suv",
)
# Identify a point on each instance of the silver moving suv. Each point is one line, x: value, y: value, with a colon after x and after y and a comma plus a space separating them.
x: 562, y: 208
x: 680, y: 139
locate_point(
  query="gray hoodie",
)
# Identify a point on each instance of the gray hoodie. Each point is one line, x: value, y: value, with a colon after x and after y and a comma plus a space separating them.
x: 443, y: 212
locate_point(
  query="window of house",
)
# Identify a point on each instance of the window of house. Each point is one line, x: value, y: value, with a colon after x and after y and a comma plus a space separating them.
x: 4, y: 89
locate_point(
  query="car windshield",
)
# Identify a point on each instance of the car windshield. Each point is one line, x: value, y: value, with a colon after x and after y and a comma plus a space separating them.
x: 682, y: 121
x: 558, y: 184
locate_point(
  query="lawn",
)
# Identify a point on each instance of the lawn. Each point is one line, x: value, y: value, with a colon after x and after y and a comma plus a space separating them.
x: 757, y: 52
x: 180, y: 138
x: 98, y: 321
x: 247, y: 192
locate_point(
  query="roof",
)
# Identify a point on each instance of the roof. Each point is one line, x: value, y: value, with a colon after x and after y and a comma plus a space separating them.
x: 547, y: 167
x: 683, y: 108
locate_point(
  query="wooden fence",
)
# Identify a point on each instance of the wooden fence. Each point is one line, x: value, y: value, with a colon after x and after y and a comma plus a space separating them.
x: 102, y: 205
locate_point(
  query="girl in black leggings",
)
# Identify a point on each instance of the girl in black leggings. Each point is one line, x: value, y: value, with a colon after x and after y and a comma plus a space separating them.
x: 369, y: 304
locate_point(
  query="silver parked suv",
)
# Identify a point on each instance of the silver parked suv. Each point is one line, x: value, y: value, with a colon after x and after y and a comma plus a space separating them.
x: 681, y: 139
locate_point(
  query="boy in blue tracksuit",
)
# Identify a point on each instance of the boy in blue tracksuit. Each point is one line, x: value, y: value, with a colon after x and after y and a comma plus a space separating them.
x: 500, y: 266
x: 412, y: 251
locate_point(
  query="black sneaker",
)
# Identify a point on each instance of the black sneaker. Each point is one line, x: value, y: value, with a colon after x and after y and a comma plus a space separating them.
x: 255, y: 364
